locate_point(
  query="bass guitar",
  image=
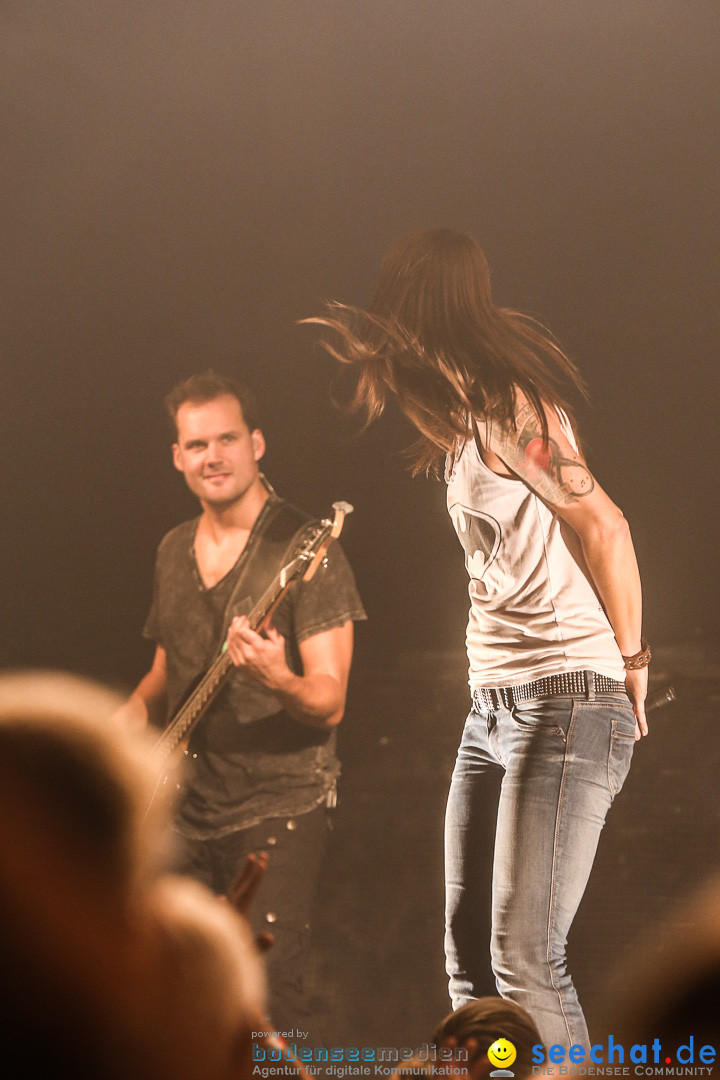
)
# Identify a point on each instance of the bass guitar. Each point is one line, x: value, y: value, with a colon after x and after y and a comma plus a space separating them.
x: 301, y: 566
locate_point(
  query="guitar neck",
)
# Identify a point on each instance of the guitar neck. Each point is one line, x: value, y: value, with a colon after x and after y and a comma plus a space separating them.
x: 269, y: 601
x: 188, y: 715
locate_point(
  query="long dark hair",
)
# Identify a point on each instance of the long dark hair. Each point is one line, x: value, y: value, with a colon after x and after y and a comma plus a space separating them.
x: 433, y: 336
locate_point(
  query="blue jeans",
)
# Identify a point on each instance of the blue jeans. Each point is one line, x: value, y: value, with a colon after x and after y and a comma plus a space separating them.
x: 561, y: 761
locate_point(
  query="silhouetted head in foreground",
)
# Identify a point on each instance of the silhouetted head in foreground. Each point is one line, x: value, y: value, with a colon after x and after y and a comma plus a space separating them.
x: 484, y: 1025
x: 487, y: 1020
x: 112, y: 968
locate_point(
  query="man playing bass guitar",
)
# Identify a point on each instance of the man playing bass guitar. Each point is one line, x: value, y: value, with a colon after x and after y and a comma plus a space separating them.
x: 260, y: 765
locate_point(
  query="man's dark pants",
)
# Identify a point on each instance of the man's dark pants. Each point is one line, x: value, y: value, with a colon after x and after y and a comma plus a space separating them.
x: 283, y: 904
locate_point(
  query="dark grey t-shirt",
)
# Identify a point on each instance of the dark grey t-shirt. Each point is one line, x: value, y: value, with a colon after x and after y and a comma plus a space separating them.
x: 248, y: 758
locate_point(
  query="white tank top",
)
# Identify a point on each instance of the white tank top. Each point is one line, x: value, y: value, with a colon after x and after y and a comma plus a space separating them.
x: 533, y: 609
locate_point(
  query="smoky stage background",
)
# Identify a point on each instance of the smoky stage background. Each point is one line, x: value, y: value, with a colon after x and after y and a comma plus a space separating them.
x: 182, y: 182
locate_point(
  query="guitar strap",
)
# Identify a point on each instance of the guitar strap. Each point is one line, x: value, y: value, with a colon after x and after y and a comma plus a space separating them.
x: 271, y: 544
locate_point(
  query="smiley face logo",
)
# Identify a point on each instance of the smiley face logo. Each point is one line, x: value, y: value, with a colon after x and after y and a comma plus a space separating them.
x: 502, y: 1053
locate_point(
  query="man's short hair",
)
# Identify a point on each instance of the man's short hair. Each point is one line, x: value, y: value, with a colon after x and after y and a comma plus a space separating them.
x: 208, y: 386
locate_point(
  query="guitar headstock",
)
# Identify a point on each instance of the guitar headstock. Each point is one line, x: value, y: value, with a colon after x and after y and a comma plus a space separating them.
x: 327, y: 531
x: 342, y: 509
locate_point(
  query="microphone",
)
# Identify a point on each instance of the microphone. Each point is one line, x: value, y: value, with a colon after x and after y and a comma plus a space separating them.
x: 659, y: 698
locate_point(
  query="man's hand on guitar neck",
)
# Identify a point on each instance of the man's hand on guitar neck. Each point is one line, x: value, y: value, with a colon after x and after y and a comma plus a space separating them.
x: 317, y: 697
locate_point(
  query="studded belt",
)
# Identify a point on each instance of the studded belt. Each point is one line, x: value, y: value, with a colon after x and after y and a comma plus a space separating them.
x: 569, y: 683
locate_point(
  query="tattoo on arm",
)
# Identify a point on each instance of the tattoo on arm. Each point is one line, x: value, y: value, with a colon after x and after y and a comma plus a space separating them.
x: 556, y: 478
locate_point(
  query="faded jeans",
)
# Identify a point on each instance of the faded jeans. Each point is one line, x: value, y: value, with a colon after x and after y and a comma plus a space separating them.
x: 561, y: 761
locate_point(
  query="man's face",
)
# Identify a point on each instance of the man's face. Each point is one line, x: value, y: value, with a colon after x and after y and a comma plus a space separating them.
x: 215, y: 450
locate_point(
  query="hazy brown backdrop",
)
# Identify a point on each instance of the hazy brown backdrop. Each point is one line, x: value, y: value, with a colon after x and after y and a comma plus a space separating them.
x: 182, y: 181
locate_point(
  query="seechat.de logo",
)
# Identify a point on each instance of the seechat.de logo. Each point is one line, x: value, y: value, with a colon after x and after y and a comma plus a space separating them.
x: 501, y: 1054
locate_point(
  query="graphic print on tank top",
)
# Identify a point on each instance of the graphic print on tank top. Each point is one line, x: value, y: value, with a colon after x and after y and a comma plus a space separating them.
x: 480, y: 537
